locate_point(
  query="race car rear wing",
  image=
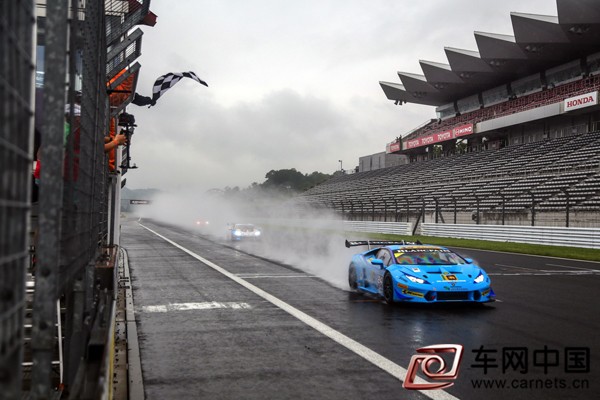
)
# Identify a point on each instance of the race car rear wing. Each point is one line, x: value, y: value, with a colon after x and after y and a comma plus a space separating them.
x: 353, y: 243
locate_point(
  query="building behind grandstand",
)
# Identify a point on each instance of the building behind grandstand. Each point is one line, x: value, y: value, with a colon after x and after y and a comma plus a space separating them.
x: 515, y: 133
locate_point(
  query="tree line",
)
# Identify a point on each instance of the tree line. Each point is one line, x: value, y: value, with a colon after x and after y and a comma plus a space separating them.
x: 285, y: 181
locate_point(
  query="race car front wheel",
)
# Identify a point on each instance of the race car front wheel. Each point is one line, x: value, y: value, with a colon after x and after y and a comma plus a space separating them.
x: 388, y: 288
x: 352, y: 277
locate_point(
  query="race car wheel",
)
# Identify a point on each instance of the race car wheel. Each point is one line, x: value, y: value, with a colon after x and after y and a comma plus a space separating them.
x: 352, y: 278
x: 388, y: 288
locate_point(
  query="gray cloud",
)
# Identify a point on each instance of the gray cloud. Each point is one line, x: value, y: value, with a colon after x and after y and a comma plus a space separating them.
x: 292, y: 84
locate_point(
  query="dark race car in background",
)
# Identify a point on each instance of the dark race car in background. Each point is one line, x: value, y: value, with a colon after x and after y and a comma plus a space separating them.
x: 417, y: 273
x: 201, y: 223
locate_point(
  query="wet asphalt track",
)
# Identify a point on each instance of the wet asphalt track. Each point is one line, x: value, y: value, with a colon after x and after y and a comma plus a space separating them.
x: 234, y: 344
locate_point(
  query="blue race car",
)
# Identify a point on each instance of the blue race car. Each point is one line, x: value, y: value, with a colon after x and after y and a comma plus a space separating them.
x: 417, y: 273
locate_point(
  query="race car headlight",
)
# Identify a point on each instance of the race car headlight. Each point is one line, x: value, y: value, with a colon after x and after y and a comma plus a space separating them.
x: 237, y: 232
x: 257, y: 233
x: 414, y: 279
x: 479, y: 278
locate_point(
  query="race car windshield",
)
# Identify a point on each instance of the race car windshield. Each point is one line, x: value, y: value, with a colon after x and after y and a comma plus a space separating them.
x: 428, y: 257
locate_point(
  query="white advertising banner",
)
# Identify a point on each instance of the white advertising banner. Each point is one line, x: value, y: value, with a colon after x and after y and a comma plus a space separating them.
x: 581, y: 101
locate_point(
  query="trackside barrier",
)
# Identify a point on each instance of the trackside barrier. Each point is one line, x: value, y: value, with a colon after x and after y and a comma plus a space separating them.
x: 396, y: 228
x: 571, y: 237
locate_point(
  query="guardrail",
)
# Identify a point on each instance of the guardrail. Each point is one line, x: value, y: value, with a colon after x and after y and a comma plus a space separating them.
x: 571, y: 237
x: 396, y: 228
x: 546, y: 235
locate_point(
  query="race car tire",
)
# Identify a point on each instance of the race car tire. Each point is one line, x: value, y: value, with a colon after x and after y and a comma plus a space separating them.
x: 352, y: 277
x: 388, y: 288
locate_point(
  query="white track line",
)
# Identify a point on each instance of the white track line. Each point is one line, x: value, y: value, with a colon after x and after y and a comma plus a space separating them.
x: 273, y: 276
x: 527, y: 255
x: 570, y: 266
x: 544, y: 273
x: 378, y: 360
x: 211, y: 305
x: 578, y: 270
x: 515, y: 266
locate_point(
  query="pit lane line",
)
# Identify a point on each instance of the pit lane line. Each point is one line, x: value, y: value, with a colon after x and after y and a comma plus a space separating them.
x: 374, y: 358
x: 261, y: 276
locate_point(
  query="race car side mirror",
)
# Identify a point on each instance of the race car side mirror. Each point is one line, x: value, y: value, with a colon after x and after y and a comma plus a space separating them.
x: 469, y: 260
x: 377, y: 261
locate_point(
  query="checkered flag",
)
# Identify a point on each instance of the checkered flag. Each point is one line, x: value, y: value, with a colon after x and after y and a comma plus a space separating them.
x: 167, y: 81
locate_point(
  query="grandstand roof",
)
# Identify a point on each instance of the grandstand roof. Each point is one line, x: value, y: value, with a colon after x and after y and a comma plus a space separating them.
x: 539, y: 42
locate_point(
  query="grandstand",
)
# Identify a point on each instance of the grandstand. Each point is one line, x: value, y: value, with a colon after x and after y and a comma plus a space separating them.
x: 516, y: 139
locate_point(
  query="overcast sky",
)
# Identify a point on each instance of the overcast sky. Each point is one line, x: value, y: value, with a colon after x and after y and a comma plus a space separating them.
x: 292, y: 84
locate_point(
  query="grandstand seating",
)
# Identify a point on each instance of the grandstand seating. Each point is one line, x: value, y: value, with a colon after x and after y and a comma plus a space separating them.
x: 510, y: 178
x: 528, y: 102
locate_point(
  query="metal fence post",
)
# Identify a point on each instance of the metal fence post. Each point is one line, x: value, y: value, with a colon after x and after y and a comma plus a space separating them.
x: 372, y: 210
x: 423, y: 213
x: 407, y: 210
x: 503, y: 208
x: 362, y: 211
x: 532, y: 208
x: 454, y: 201
x: 477, y: 200
x: 567, y: 206
x: 385, y: 211
x: 395, y: 210
x: 436, y: 209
